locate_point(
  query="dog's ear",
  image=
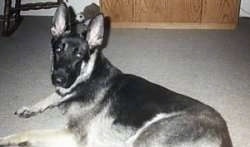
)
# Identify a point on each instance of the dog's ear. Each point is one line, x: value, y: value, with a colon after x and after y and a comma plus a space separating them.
x: 95, y: 31
x: 60, y: 20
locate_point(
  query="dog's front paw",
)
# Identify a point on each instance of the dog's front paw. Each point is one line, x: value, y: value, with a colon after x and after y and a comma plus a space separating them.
x: 25, y: 112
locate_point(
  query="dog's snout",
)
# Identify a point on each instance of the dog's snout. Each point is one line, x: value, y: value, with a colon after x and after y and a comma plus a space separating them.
x: 60, y: 78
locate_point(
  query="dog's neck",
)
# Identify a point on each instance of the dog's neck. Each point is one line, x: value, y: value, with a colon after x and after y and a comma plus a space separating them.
x: 103, y: 71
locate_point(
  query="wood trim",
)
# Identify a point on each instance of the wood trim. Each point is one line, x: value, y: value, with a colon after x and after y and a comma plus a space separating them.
x: 209, y: 26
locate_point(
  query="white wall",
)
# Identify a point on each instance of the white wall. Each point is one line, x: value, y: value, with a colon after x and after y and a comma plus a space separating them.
x: 245, y: 8
x: 80, y: 4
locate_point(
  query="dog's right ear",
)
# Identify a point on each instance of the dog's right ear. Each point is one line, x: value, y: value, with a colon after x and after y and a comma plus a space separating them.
x: 95, y: 33
x: 60, y: 20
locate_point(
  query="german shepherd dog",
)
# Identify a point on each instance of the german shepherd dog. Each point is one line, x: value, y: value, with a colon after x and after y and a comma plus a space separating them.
x: 108, y: 108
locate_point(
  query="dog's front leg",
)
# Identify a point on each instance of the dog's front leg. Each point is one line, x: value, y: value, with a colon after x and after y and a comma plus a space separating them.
x: 41, y: 106
x: 41, y: 138
x: 51, y: 101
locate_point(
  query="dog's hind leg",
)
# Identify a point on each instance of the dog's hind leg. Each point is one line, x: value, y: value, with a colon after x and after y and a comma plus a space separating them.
x: 40, y: 138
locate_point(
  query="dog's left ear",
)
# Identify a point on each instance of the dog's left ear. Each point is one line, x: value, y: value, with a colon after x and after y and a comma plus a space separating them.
x: 95, y: 31
x: 60, y: 20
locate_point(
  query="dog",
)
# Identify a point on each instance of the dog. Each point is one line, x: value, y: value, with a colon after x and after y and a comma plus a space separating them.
x: 108, y: 108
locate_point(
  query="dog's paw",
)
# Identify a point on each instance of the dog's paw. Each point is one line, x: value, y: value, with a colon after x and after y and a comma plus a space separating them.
x: 24, y: 144
x: 24, y: 112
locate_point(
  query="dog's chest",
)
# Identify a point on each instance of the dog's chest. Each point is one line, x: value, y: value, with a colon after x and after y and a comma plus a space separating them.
x: 98, y: 130
x: 94, y: 126
x: 101, y: 132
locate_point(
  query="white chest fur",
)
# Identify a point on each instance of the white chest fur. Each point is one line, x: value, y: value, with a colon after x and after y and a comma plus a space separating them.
x: 97, y: 128
x: 103, y: 133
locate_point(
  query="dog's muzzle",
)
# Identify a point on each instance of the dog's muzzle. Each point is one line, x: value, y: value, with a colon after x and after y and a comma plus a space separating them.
x: 61, y: 78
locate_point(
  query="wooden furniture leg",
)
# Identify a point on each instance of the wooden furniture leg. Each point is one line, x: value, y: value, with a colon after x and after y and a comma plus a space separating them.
x: 18, y: 5
x: 6, y: 18
x: 12, y: 17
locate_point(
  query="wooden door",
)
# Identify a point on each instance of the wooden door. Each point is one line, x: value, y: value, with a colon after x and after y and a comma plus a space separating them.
x: 150, y: 11
x: 214, y: 14
x: 220, y: 11
x: 153, y: 10
x: 184, y: 11
x: 118, y: 10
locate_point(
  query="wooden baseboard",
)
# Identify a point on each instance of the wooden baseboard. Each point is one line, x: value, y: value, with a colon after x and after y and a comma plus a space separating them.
x: 209, y: 26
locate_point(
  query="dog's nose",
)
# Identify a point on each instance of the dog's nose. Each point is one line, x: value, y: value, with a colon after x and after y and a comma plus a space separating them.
x: 59, y: 80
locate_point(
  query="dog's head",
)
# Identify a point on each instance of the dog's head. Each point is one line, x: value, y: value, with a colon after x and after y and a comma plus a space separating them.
x: 73, y: 48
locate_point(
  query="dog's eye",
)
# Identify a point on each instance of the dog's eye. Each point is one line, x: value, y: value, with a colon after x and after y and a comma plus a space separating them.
x: 59, y: 50
x: 77, y: 53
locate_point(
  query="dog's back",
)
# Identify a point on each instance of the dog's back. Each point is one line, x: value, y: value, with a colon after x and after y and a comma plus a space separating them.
x: 163, y: 117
